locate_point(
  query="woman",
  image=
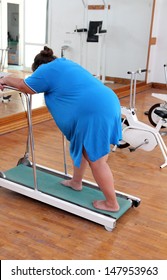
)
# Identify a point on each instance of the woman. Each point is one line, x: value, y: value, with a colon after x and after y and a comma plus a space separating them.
x: 85, y: 110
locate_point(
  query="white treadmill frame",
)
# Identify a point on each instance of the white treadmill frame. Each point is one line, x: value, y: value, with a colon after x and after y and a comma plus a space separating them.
x: 107, y: 221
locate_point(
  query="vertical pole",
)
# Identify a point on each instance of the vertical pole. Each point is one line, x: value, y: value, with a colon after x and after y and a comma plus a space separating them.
x: 99, y: 55
x: 83, y: 39
x: 3, y: 58
x: 31, y: 138
x: 131, y: 89
x: 165, y: 71
x: 104, y: 41
x: 134, y: 89
x: 104, y: 59
x: 1, y: 62
x: 64, y: 153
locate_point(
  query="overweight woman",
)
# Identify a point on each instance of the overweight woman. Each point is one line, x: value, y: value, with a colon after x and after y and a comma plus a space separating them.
x: 87, y: 113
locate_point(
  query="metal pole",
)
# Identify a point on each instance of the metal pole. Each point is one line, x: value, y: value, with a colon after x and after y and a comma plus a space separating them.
x: 26, y: 156
x: 134, y: 90
x: 31, y: 138
x: 1, y: 62
x: 165, y: 71
x: 131, y: 89
x: 83, y: 45
x: 85, y: 3
x: 64, y: 153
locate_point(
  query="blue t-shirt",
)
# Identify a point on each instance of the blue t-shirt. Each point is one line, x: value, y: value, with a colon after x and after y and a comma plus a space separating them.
x: 85, y: 110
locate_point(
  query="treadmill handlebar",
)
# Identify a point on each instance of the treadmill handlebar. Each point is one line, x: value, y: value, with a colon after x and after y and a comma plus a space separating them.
x: 8, y: 87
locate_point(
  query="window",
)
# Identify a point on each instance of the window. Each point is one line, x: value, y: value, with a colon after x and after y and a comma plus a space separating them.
x: 36, y: 19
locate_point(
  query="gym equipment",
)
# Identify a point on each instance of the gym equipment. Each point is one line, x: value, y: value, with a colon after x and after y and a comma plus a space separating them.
x: 3, y: 52
x: 159, y: 110
x: 97, y: 35
x: 136, y: 134
x: 63, y: 49
x: 5, y: 99
x: 43, y: 184
x: 95, y: 27
x: 92, y: 32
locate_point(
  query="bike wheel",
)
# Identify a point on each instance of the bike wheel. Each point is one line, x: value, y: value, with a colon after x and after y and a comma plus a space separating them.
x: 154, y: 118
x: 122, y: 144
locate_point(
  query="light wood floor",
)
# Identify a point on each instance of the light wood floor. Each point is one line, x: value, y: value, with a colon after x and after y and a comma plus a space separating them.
x: 33, y: 230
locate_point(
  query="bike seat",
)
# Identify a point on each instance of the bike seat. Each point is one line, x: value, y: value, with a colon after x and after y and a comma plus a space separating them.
x: 161, y: 113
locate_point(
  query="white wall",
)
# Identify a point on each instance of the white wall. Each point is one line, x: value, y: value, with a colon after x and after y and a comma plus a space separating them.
x: 127, y: 33
x: 128, y: 36
x: 65, y: 15
x: 158, y: 55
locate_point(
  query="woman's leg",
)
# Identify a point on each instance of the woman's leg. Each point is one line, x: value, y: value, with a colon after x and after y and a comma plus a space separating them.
x: 78, y: 173
x: 104, y: 178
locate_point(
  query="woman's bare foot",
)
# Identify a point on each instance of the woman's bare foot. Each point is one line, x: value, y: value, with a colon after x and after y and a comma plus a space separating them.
x: 72, y: 184
x: 104, y: 205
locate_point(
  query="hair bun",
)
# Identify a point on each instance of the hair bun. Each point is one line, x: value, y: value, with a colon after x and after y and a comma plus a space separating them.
x: 45, y: 56
x: 47, y: 52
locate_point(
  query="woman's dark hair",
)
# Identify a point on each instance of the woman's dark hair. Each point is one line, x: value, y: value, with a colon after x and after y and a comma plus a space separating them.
x: 45, y: 56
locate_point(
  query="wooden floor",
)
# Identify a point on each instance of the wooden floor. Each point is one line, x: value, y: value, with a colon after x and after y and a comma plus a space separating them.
x: 31, y: 230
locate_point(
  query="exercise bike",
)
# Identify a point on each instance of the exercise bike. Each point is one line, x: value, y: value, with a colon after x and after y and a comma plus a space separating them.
x: 136, y: 134
x: 159, y: 110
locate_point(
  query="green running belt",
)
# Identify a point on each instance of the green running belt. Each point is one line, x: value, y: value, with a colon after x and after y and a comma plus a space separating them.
x: 50, y: 184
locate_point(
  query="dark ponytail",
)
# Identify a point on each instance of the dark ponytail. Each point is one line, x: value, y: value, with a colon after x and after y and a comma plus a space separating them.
x: 45, y: 56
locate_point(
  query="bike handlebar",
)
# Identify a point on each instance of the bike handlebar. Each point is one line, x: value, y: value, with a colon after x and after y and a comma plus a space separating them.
x: 139, y: 71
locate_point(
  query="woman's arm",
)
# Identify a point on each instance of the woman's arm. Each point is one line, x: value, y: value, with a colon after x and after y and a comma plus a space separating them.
x: 16, y: 83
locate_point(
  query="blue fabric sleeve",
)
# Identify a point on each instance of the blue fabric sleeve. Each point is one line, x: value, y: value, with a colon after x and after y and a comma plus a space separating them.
x: 37, y: 81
